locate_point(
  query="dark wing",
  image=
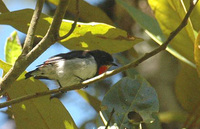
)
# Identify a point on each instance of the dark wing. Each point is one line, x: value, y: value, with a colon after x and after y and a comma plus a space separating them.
x: 66, y: 56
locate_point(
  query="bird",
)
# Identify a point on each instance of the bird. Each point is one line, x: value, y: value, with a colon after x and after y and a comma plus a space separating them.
x: 73, y: 67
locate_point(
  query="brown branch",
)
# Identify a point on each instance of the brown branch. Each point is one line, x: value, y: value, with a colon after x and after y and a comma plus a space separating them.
x: 108, y: 73
x: 74, y: 24
x: 25, y: 60
x: 3, y: 8
x: 28, y: 44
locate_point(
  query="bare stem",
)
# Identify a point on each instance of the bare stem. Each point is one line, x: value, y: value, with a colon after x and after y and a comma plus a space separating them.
x: 28, y: 44
x: 108, y: 73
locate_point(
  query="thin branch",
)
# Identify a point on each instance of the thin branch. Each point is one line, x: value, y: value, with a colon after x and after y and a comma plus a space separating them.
x: 74, y: 24
x: 28, y: 44
x: 3, y: 8
x: 25, y: 60
x: 110, y: 117
x: 108, y: 73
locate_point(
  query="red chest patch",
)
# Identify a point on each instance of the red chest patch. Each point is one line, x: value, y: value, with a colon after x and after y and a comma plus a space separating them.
x: 103, y: 69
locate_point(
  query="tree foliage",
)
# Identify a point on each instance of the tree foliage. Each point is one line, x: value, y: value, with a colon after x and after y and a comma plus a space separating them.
x: 132, y: 101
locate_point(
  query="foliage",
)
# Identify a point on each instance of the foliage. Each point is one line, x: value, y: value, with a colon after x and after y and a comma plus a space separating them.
x: 85, y: 36
x: 133, y: 99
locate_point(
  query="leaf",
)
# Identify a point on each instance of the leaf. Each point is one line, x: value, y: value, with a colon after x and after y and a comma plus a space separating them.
x: 197, y: 53
x: 130, y: 96
x: 146, y: 22
x: 156, y: 124
x: 5, y: 66
x: 13, y: 48
x: 169, y: 15
x: 38, y: 113
x: 85, y: 12
x: 194, y: 15
x: 187, y: 87
x: 152, y: 28
x: 94, y: 102
x: 85, y: 36
x: 132, y: 72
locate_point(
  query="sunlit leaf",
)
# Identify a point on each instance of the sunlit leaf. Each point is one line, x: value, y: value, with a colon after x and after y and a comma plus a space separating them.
x: 152, y: 28
x: 13, y: 48
x: 5, y: 66
x: 187, y: 87
x: 169, y: 15
x: 195, y: 14
x: 85, y: 36
x: 94, y: 102
x: 85, y: 12
x: 42, y: 112
x: 130, y: 96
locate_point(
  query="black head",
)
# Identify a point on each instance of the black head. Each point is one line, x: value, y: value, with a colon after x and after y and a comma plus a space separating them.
x: 102, y: 57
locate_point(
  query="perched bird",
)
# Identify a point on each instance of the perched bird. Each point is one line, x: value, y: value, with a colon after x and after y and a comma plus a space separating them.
x: 73, y: 67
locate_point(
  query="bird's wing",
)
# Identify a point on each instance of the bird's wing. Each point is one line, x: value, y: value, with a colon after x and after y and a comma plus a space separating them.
x: 66, y: 56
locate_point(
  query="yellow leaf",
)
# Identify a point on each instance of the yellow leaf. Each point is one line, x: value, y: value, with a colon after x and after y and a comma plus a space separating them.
x: 170, y: 14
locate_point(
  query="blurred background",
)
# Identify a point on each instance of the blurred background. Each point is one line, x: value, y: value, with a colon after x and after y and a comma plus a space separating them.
x: 160, y: 71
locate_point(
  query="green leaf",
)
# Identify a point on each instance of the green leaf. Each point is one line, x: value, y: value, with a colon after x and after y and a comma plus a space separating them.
x: 146, y: 22
x: 94, y: 102
x: 85, y: 36
x: 85, y: 12
x: 187, y: 88
x: 13, y: 48
x: 194, y: 15
x: 169, y: 15
x: 5, y: 66
x: 197, y: 53
x: 38, y: 113
x: 131, y: 97
x: 156, y: 124
x: 152, y: 28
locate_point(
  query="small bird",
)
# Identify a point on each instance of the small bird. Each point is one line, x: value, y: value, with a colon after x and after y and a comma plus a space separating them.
x: 73, y: 67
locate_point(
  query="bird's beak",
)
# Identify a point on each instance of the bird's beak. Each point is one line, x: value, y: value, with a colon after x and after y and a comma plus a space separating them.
x: 113, y: 64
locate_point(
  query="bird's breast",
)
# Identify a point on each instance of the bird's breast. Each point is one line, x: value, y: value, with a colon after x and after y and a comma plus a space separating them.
x: 75, y: 70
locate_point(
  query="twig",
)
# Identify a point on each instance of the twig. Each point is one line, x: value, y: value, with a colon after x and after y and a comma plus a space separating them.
x: 74, y: 24
x: 108, y: 73
x: 110, y: 117
x: 3, y: 7
x: 25, y: 60
x: 28, y: 44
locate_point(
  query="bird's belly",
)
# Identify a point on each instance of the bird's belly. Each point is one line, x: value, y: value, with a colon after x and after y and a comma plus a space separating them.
x: 73, y: 72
